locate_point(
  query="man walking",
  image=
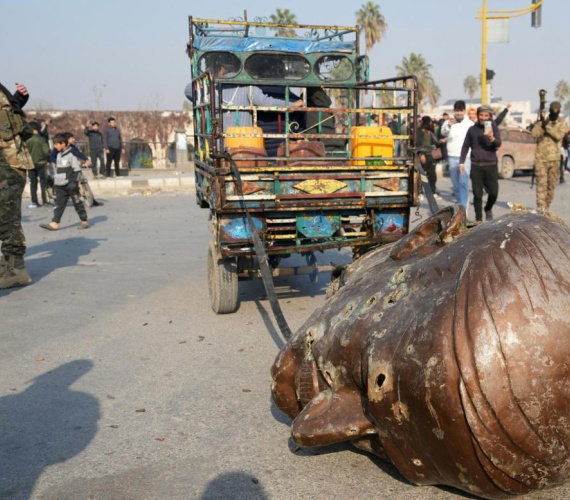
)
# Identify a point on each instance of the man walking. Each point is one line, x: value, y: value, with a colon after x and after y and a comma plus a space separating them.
x: 14, y: 161
x: 549, y: 133
x: 483, y: 139
x: 454, y: 131
x: 39, y: 151
x: 113, y: 144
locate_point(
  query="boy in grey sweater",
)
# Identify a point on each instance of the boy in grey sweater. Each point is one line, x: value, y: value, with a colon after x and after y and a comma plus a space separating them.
x: 66, y: 184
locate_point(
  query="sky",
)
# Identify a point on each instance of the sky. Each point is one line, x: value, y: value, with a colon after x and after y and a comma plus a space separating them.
x: 130, y: 54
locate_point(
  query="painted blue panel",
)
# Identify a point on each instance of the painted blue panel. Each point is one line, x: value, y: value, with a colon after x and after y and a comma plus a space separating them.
x: 317, y: 225
x: 253, y: 44
x: 250, y: 204
x: 390, y: 223
x: 238, y: 228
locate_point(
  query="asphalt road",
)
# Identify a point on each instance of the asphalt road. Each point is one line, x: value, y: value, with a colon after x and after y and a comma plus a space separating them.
x: 117, y: 381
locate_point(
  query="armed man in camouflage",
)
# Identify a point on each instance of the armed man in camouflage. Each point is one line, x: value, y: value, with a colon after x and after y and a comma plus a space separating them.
x: 14, y: 161
x: 549, y: 133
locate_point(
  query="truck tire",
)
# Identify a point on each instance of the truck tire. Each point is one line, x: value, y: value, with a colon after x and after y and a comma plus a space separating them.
x: 507, y: 167
x: 88, y: 196
x: 222, y: 282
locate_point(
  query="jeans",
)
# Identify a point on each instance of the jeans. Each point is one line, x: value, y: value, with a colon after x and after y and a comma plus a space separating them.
x: 62, y: 194
x: 114, y: 155
x: 98, y: 155
x: 459, y: 181
x: 431, y: 173
x: 39, y: 172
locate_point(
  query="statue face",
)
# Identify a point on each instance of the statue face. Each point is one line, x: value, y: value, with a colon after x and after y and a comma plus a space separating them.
x: 446, y: 353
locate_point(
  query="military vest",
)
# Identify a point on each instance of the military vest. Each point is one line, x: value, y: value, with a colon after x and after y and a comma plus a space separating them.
x: 13, y: 150
x: 548, y: 148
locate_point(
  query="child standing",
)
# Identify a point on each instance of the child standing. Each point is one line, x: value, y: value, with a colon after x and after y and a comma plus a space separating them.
x: 68, y: 169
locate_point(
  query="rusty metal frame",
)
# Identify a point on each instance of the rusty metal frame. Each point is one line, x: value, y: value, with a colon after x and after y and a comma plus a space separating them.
x: 282, y: 169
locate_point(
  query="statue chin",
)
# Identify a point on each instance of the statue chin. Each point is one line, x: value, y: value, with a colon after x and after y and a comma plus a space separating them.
x: 446, y: 353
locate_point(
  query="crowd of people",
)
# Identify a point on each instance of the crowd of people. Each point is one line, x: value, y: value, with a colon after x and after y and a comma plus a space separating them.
x: 25, y: 154
x: 468, y: 144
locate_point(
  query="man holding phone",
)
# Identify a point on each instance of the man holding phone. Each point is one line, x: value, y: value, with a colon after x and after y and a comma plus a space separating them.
x: 484, y: 139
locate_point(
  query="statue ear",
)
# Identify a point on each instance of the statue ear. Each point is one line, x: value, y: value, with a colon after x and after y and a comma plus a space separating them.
x: 440, y: 229
x: 331, y: 417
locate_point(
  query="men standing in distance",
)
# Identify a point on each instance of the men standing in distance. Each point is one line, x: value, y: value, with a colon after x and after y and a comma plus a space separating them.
x: 454, y: 131
x: 113, y: 144
x: 14, y: 161
x: 549, y: 133
x: 39, y: 151
x: 95, y: 149
x: 483, y: 139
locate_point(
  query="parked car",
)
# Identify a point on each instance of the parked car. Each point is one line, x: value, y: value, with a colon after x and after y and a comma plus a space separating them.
x: 516, y: 151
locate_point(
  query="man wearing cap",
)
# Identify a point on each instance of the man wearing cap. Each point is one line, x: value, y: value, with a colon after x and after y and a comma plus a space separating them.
x: 95, y: 148
x: 483, y: 139
x: 549, y: 132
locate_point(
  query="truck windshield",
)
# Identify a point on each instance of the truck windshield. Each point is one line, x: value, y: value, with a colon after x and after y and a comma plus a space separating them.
x: 277, y: 66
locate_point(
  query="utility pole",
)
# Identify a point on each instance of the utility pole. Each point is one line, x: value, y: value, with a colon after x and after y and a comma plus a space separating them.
x: 484, y: 55
x: 535, y: 9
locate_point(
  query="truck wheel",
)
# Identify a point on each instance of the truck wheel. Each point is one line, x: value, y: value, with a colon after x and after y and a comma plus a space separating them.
x: 89, y: 198
x: 222, y: 282
x: 507, y: 167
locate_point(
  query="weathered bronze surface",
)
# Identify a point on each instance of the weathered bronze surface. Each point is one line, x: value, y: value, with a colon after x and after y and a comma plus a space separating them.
x: 447, y: 353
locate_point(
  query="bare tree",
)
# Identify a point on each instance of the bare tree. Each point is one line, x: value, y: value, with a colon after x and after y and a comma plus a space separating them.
x: 98, y: 96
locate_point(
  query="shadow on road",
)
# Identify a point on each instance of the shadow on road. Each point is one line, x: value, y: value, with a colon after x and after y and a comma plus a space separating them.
x: 43, y: 259
x: 268, y: 321
x: 235, y: 485
x: 46, y: 424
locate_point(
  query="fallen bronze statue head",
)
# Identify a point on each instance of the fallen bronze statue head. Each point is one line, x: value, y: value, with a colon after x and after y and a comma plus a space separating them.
x: 446, y: 353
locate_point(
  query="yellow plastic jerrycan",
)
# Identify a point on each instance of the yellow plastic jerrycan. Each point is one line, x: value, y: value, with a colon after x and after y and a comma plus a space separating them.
x: 372, y: 141
x: 245, y: 139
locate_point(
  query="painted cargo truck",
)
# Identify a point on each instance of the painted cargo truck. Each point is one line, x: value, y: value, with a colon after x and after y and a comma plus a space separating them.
x: 291, y: 144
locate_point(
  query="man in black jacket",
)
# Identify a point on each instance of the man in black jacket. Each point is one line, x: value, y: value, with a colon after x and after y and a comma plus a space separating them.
x: 113, y: 144
x: 484, y: 139
x: 95, y: 149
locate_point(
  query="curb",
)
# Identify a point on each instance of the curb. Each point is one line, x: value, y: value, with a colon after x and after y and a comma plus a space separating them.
x: 126, y: 186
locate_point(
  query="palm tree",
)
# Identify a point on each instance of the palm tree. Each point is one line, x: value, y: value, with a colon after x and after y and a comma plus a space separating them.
x: 471, y: 85
x: 373, y: 24
x: 427, y: 88
x: 284, y: 16
x: 434, y: 93
x: 562, y: 91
